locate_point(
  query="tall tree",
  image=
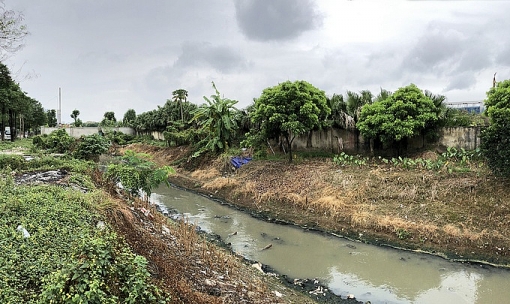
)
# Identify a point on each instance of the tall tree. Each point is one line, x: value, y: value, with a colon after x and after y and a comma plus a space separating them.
x: 180, y: 96
x: 109, y: 119
x: 74, y: 115
x: 51, y: 116
x: 395, y: 119
x: 5, y: 83
x: 355, y: 101
x: 290, y: 109
x: 495, y: 142
x: 129, y: 118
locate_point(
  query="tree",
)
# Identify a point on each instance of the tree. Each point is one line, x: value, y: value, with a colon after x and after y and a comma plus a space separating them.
x: 339, y: 117
x: 109, y: 119
x: 129, y: 118
x: 35, y: 117
x: 217, y: 119
x: 179, y: 96
x: 355, y: 102
x: 495, y: 139
x: 12, y: 31
x: 74, y: 115
x: 402, y: 115
x: 51, y: 116
x: 290, y: 109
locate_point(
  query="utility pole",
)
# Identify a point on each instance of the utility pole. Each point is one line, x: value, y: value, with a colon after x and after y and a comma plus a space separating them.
x: 59, y: 111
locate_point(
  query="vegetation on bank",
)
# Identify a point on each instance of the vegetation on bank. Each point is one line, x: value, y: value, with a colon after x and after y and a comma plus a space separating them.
x: 69, y: 241
x: 56, y: 247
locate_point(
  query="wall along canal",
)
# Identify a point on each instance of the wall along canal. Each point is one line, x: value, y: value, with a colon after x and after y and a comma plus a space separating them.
x: 370, y: 273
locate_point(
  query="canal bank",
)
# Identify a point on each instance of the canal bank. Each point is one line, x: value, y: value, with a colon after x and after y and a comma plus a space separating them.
x: 457, y: 215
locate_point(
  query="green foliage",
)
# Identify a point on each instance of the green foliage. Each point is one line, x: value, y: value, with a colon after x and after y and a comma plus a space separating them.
x: 120, y: 138
x: 101, y: 270
x: 54, y: 218
x: 74, y: 115
x: 462, y: 118
x: 52, y: 251
x: 90, y: 147
x: 136, y: 172
x: 290, y: 109
x: 109, y: 120
x: 129, y: 118
x: 57, y: 141
x: 458, y: 160
x: 51, y: 116
x: 11, y: 161
x: 496, y: 138
x: 217, y: 120
x: 344, y: 159
x: 402, y: 115
x: 176, y: 137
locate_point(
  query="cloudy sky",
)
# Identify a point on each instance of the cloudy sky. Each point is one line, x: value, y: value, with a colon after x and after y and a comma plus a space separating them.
x: 114, y: 55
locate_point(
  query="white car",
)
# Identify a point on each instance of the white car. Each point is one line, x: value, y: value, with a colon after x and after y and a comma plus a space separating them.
x: 7, y: 134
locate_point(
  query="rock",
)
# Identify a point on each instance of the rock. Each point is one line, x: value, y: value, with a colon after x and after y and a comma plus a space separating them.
x: 267, y: 247
x: 278, y: 294
x: 258, y: 266
x: 100, y: 225
x: 24, y: 231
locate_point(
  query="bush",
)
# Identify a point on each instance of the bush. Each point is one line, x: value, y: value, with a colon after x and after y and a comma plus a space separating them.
x: 57, y: 141
x: 90, y: 147
x: 102, y: 270
x: 496, y: 138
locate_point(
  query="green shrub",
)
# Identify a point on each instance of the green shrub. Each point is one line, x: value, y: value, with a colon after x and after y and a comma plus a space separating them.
x: 135, y: 172
x: 102, y: 270
x: 14, y: 162
x: 90, y: 147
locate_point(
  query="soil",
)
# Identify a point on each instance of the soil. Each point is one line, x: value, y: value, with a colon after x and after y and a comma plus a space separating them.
x: 460, y: 214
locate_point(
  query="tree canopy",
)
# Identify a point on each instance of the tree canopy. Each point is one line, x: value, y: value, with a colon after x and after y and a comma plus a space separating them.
x: 401, y: 115
x: 12, y: 31
x: 290, y: 109
x: 495, y: 141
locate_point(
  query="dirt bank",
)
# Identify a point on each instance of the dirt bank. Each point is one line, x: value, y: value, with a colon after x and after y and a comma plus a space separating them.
x: 460, y: 215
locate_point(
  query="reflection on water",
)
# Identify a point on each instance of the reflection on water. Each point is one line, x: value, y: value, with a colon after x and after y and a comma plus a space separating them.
x: 371, y: 273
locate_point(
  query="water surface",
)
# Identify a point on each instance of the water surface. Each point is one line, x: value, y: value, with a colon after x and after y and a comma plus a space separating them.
x: 371, y: 273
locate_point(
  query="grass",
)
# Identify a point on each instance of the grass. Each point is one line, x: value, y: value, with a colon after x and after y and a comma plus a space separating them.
x: 24, y: 144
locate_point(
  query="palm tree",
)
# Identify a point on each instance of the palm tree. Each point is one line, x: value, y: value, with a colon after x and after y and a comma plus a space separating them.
x: 355, y: 102
x: 382, y: 95
x: 74, y: 115
x: 179, y: 96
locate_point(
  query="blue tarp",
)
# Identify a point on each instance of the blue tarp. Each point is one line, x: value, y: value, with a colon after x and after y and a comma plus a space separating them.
x: 238, y: 161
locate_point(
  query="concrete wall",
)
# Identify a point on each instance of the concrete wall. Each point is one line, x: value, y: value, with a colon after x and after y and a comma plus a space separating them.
x: 467, y: 138
x: 327, y: 140
x: 78, y: 132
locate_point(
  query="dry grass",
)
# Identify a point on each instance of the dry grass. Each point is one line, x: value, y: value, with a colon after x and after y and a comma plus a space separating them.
x: 207, y: 174
x: 220, y: 183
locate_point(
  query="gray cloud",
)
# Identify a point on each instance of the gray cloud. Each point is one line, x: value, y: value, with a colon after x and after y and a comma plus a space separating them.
x: 222, y: 58
x: 265, y: 20
x: 461, y: 81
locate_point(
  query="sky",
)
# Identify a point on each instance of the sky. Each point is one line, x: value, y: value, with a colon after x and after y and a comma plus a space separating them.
x: 115, y: 55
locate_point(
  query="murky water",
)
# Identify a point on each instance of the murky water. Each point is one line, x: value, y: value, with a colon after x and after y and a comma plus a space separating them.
x: 371, y: 273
